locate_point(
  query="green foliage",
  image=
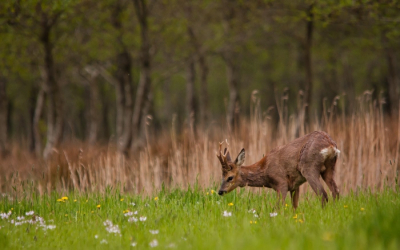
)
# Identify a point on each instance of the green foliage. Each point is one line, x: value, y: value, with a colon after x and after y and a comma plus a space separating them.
x: 193, y: 218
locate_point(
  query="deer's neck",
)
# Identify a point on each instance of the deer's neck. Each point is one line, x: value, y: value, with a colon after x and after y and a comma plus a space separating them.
x: 254, y: 175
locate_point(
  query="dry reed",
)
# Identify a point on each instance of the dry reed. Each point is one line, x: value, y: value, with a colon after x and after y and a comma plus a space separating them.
x: 369, y: 144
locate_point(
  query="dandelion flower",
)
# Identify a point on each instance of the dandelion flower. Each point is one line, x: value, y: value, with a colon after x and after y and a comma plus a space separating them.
x: 362, y: 209
x: 230, y: 204
x: 207, y: 193
x: 65, y: 198
x: 98, y: 206
x: 153, y: 243
x: 60, y: 200
x: 301, y: 221
x: 345, y: 206
x: 273, y: 214
x: 74, y: 200
x: 295, y: 217
x: 156, y: 198
x: 122, y: 199
x: 251, y: 222
x: 212, y: 191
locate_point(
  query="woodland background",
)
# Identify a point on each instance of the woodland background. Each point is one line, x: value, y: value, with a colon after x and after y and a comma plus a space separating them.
x: 137, y: 77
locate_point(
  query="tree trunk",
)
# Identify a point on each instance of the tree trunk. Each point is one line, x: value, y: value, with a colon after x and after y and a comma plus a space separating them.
x: 3, y: 118
x: 54, y: 105
x: 308, y: 63
x: 94, y: 106
x: 393, y: 83
x: 190, y: 82
x: 233, y: 103
x: 143, y: 89
x: 37, y: 139
x: 123, y: 76
x: 203, y: 91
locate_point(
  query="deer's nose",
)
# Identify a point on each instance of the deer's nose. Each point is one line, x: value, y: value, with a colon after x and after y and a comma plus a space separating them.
x: 221, y: 192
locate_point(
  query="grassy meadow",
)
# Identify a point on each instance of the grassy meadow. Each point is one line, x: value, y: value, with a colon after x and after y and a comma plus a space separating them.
x: 163, y: 195
x: 199, y: 219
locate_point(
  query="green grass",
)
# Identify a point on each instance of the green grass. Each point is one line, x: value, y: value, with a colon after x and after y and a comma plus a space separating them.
x: 193, y: 219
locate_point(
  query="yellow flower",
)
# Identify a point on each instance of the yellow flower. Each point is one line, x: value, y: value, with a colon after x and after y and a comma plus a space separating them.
x: 156, y: 198
x: 98, y: 206
x: 301, y: 221
x: 295, y: 217
x: 74, y: 200
x: 86, y: 200
x: 12, y: 208
x: 65, y: 198
x: 345, y: 206
x: 121, y: 199
x: 251, y: 222
x: 230, y: 204
x: 286, y: 205
x: 362, y: 209
x: 207, y: 193
x: 212, y: 191
x: 92, y: 212
x: 60, y: 200
x: 255, y: 222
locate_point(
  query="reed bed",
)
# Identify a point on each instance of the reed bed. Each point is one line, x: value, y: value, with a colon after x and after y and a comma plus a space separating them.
x: 368, y: 140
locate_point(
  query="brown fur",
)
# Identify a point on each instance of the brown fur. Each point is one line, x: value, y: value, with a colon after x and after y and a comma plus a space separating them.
x: 286, y: 168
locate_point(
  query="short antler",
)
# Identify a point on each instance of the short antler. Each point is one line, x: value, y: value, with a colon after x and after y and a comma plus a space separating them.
x: 223, y: 157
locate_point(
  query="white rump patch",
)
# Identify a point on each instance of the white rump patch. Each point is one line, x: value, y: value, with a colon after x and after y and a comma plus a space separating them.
x: 329, y: 151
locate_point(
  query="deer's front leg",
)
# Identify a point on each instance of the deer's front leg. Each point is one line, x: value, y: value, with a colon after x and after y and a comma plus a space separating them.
x: 295, y: 197
x: 282, y: 190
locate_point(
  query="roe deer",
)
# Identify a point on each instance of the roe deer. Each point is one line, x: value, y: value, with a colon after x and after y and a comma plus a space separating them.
x: 286, y: 168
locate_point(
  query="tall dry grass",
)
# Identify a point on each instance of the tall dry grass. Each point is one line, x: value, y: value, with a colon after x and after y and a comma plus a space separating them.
x: 369, y: 144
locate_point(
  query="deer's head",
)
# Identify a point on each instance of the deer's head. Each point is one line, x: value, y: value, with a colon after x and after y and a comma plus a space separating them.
x: 230, y: 170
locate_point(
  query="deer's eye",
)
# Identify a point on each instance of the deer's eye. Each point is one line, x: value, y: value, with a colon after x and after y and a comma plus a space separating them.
x: 229, y: 179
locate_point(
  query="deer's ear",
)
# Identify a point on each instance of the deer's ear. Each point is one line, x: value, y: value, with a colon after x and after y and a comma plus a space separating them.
x: 240, y: 158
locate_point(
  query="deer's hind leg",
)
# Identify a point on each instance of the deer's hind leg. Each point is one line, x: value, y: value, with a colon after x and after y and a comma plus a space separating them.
x: 328, y: 177
x: 312, y: 173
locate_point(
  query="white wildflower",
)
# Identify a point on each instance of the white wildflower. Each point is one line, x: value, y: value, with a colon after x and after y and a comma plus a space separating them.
x: 154, y: 231
x: 143, y: 218
x: 135, y: 212
x: 252, y: 211
x: 30, y: 213
x: 128, y: 214
x: 51, y: 227
x: 273, y: 214
x: 20, y: 218
x: 256, y: 215
x: 171, y: 245
x: 104, y: 242
x: 5, y: 215
x: 153, y: 243
x: 133, y: 244
x: 227, y: 214
x: 96, y: 236
x: 111, y: 228
x: 133, y: 204
x: 132, y: 219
